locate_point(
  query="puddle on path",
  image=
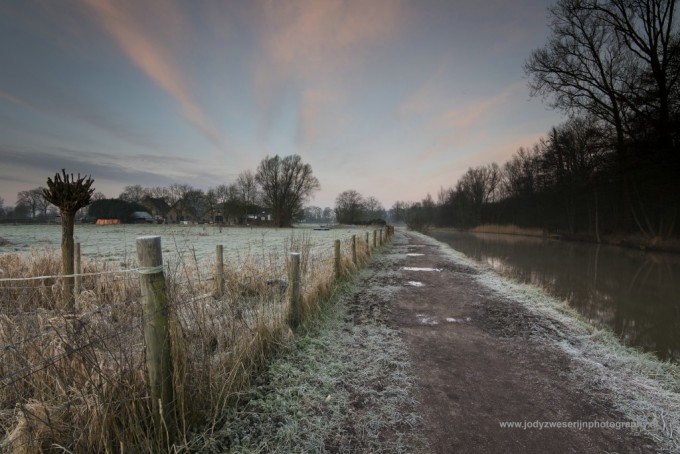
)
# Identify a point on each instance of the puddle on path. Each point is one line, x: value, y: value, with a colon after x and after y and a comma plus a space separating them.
x: 415, y: 284
x: 458, y: 320
x: 427, y: 320
x: 415, y: 268
x: 414, y: 254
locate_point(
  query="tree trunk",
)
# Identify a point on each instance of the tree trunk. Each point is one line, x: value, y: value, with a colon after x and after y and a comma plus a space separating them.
x: 67, y: 247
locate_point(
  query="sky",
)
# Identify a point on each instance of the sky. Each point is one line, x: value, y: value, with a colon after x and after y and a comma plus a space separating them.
x: 392, y: 98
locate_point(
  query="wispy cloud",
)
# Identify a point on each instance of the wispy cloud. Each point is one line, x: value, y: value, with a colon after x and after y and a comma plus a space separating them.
x: 472, y: 113
x: 314, y: 44
x: 323, y: 35
x: 37, y: 164
x: 150, y: 35
x: 14, y: 100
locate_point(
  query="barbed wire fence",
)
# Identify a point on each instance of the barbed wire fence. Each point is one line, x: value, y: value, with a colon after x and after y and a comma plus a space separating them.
x: 85, y: 373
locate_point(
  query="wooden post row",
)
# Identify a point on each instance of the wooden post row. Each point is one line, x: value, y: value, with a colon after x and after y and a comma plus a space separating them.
x: 294, y: 290
x: 78, y: 270
x: 337, y: 259
x: 157, y: 334
x: 219, y: 271
x: 354, y: 249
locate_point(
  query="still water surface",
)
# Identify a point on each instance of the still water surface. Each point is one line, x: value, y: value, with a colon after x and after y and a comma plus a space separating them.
x: 634, y: 293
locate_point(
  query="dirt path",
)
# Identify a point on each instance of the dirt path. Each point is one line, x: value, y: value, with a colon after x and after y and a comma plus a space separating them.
x: 476, y: 366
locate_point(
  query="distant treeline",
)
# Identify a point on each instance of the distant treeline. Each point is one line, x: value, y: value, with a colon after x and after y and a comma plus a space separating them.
x: 572, y: 181
x: 274, y: 194
x: 614, y: 67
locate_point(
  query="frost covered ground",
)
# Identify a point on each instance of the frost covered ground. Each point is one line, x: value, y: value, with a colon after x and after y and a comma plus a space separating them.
x: 116, y: 243
x: 350, y: 383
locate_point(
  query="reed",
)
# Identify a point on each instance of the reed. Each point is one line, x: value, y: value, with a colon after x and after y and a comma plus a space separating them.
x: 508, y: 229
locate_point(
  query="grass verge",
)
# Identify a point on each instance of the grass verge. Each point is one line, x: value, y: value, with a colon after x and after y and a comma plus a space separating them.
x: 341, y: 386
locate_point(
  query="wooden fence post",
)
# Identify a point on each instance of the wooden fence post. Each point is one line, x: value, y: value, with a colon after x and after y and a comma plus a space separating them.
x: 381, y: 237
x: 375, y: 241
x: 219, y: 271
x: 294, y: 290
x: 368, y: 246
x: 337, y: 259
x: 78, y: 270
x: 354, y: 249
x: 157, y: 334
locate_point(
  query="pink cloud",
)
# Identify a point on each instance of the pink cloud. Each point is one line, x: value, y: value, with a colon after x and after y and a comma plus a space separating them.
x: 474, y: 112
x: 150, y: 34
x: 15, y: 100
x: 317, y: 34
x: 314, y: 43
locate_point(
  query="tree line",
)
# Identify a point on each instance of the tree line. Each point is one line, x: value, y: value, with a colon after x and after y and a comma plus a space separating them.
x: 354, y: 208
x: 612, y: 66
x: 279, y: 187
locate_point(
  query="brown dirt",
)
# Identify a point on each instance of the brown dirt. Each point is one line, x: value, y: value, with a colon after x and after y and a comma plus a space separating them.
x: 485, y: 367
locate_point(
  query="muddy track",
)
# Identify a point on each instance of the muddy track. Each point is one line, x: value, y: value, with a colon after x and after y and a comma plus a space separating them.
x: 478, y: 364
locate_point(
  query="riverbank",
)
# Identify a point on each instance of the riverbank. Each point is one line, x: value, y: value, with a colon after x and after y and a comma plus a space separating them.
x: 497, y: 352
x: 627, y: 240
x: 411, y: 360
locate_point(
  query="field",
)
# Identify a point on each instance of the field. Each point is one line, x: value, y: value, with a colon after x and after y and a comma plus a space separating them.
x: 116, y: 243
x: 77, y: 381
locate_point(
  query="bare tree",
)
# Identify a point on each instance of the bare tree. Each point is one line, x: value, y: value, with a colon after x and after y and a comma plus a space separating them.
x: 211, y: 203
x: 69, y: 195
x: 177, y: 192
x: 313, y: 214
x: 247, y: 188
x: 34, y: 200
x: 479, y: 185
x: 399, y: 211
x: 374, y: 209
x: 572, y: 154
x: 328, y: 214
x: 582, y: 68
x: 286, y: 184
x: 650, y: 33
x: 134, y: 193
x: 349, y: 207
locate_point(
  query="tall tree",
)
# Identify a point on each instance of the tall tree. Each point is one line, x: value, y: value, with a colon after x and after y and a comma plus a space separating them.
x: 374, y: 209
x: 349, y: 207
x: 651, y: 34
x: 617, y: 60
x: 34, y: 200
x: 286, y: 184
x: 69, y: 195
x: 582, y: 68
x: 247, y: 189
x: 571, y: 156
x: 134, y: 193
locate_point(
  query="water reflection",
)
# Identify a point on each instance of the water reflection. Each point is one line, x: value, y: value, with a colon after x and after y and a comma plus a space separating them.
x: 635, y: 293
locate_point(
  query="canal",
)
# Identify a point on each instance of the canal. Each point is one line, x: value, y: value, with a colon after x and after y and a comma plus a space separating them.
x: 634, y: 293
